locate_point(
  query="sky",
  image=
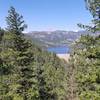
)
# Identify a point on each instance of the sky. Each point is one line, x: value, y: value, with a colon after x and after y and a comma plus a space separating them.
x: 48, y: 15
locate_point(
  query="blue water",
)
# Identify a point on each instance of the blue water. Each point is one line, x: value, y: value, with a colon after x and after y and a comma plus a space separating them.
x: 59, y: 50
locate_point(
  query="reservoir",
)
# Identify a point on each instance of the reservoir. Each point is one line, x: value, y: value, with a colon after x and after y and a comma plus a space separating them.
x: 59, y: 50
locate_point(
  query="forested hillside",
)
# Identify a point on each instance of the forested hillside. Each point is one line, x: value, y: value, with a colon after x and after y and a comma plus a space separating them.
x: 27, y: 72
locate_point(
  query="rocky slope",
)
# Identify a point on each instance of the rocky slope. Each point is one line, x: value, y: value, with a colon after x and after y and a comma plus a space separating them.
x: 56, y: 38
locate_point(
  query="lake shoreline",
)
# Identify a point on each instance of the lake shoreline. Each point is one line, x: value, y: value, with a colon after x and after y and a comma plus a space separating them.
x: 65, y: 56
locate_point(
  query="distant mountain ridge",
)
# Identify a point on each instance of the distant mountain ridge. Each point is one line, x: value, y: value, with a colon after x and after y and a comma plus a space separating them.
x: 56, y: 38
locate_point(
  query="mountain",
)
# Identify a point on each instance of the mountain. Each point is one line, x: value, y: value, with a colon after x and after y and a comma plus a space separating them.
x: 47, y: 39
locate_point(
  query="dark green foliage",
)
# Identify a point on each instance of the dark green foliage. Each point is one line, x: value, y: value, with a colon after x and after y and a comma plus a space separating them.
x: 86, y: 57
x: 15, y: 22
x: 1, y: 34
x: 71, y: 80
x: 27, y: 72
x: 94, y: 7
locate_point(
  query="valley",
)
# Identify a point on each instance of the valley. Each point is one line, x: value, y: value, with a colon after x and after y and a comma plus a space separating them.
x: 46, y: 39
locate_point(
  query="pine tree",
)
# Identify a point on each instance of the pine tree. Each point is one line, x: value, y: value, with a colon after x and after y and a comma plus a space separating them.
x: 15, y: 22
x: 22, y: 72
x: 26, y: 71
x: 7, y: 56
x: 94, y: 7
x: 48, y: 76
x: 87, y: 57
x: 71, y: 79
